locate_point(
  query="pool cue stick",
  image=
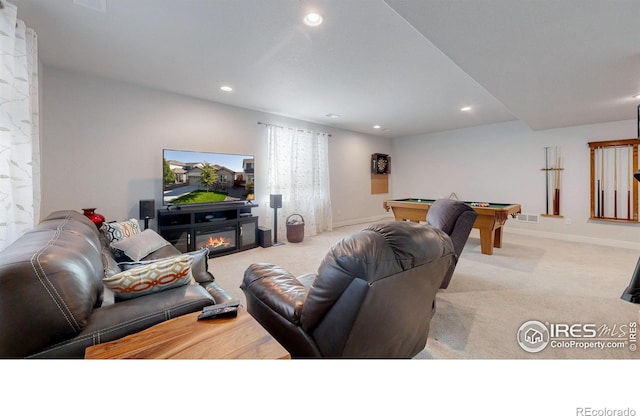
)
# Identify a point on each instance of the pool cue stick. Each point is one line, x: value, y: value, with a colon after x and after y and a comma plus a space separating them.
x: 555, y: 179
x: 559, y: 175
x: 546, y: 175
x: 597, y: 162
x: 602, y: 177
x: 556, y: 172
x: 615, y: 182
x: 629, y: 174
x: 553, y: 183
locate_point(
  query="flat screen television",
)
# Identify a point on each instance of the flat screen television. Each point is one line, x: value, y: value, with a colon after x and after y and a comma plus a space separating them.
x: 192, y: 177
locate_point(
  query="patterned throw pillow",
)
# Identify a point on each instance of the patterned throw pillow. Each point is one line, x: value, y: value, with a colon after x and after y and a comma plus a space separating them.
x: 199, y: 268
x: 118, y: 231
x: 154, y: 277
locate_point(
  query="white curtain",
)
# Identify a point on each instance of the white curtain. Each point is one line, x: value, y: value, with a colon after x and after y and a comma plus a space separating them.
x: 19, y: 133
x: 299, y: 171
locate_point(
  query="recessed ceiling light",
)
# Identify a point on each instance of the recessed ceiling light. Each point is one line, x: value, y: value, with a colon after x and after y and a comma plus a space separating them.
x: 377, y: 126
x: 312, y: 19
x: 331, y: 115
x: 465, y: 109
x: 637, y: 96
x: 226, y: 88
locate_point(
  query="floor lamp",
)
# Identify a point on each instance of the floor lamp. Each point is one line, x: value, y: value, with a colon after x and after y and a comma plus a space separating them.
x: 632, y: 292
x: 275, y: 202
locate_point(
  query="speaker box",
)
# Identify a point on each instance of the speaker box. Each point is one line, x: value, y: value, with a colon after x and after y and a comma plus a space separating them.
x: 275, y: 201
x: 147, y: 208
x: 264, y: 237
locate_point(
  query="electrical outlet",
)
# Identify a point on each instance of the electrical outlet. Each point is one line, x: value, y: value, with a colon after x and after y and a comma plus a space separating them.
x: 567, y: 221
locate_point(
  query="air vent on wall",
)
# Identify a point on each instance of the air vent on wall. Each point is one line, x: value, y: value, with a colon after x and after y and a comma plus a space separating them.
x: 534, y: 218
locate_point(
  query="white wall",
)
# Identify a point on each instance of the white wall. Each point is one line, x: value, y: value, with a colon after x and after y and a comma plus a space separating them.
x: 102, y: 144
x: 502, y: 163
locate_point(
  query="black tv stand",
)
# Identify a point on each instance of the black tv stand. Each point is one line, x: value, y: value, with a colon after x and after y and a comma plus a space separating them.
x: 224, y: 227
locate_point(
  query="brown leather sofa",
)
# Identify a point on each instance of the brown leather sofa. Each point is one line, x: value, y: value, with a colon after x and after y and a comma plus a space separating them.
x: 51, y: 293
x: 456, y: 219
x: 372, y: 296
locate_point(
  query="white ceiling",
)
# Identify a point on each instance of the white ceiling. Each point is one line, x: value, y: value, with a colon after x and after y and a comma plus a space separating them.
x: 407, y: 65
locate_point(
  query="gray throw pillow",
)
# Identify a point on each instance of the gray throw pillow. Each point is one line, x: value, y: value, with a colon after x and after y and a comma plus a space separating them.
x: 140, y: 245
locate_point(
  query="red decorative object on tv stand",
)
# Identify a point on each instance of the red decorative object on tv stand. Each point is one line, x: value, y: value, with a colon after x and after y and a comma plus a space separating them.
x: 97, y: 219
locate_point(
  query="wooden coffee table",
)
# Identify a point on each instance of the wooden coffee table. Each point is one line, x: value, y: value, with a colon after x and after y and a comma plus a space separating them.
x: 185, y: 337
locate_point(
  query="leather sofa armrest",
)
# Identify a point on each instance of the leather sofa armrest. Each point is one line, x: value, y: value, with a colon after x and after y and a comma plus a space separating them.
x: 218, y: 293
x: 277, y: 289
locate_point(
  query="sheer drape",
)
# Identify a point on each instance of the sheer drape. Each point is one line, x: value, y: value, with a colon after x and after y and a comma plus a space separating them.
x: 299, y: 171
x: 19, y: 135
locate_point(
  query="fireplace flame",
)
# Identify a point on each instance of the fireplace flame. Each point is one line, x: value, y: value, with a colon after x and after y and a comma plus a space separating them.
x: 217, y: 242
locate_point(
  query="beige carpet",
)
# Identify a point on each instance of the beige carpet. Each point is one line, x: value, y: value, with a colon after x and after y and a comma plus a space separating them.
x: 490, y: 297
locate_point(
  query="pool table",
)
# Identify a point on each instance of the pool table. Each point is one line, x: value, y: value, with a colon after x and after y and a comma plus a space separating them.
x: 490, y: 218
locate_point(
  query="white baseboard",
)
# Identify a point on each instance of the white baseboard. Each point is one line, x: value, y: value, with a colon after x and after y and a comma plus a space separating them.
x: 542, y: 234
x: 356, y: 221
x: 576, y: 238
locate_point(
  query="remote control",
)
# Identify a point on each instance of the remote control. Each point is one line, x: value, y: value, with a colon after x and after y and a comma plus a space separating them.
x: 218, y: 306
x: 228, y: 312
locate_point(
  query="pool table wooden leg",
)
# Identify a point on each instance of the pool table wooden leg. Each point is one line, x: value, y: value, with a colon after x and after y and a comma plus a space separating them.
x: 497, y: 240
x: 486, y: 240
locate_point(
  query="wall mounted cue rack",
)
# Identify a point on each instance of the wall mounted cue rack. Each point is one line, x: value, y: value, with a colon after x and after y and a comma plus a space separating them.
x: 552, y: 173
x: 614, y: 192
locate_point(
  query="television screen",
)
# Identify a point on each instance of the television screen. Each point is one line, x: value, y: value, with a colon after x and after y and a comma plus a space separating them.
x: 190, y: 177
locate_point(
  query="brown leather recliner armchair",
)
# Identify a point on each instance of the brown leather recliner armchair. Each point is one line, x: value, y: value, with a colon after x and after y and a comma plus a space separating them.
x: 372, y: 296
x: 456, y: 219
